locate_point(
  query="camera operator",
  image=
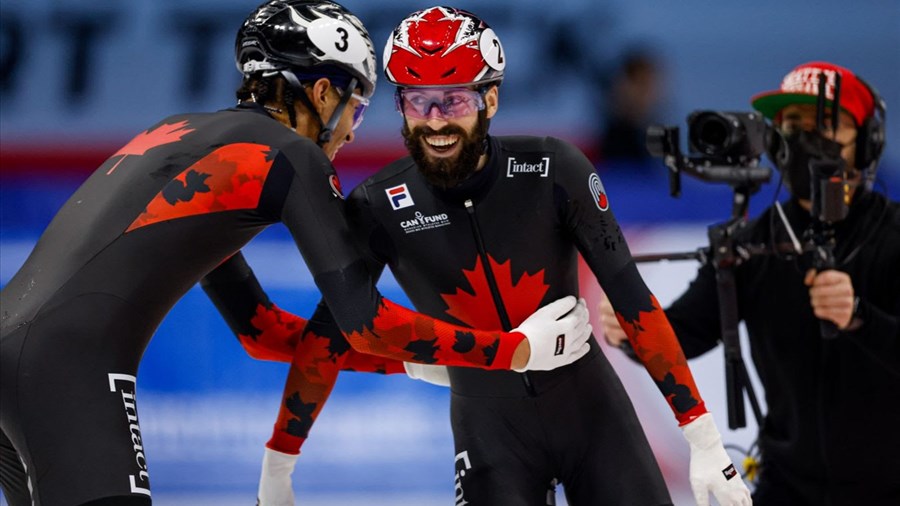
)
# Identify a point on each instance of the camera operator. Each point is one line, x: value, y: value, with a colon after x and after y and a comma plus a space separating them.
x: 830, y: 436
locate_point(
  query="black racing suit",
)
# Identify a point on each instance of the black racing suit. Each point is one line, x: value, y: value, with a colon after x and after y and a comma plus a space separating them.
x: 155, y: 218
x: 486, y: 254
x: 831, y: 436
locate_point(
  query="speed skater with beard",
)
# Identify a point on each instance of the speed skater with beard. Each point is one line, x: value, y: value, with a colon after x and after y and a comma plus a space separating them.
x: 447, y: 172
x: 480, y: 230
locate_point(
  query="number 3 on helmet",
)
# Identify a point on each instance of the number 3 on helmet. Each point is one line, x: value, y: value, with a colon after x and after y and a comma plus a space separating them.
x: 315, y: 36
x: 441, y: 47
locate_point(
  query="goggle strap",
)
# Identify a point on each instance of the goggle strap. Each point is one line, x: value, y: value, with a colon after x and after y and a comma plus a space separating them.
x: 325, y: 134
x: 300, y: 92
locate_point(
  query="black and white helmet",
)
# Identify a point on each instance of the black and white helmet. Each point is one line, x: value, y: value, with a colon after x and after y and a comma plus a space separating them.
x: 316, y: 37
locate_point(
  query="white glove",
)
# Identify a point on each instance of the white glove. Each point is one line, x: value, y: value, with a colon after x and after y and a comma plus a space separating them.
x: 434, y: 374
x: 275, y: 483
x: 557, y: 334
x: 711, y: 469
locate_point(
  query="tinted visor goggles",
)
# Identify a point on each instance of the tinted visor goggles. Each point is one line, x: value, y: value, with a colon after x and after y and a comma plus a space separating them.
x: 421, y: 103
x: 359, y: 110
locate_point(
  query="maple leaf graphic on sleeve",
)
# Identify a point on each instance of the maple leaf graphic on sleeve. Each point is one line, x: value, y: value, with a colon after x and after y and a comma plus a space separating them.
x: 302, y: 411
x: 681, y: 395
x: 166, y: 133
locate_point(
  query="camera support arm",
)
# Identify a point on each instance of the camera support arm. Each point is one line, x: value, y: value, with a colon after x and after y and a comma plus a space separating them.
x: 737, y: 379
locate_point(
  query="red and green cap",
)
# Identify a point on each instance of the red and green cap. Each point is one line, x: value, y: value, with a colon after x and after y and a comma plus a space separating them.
x: 801, y: 86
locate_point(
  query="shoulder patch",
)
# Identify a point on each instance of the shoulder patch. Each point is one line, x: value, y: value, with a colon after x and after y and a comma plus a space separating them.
x: 335, y: 184
x: 598, y: 192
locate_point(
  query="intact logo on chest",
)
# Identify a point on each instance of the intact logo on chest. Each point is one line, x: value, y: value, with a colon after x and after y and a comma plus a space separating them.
x: 527, y: 166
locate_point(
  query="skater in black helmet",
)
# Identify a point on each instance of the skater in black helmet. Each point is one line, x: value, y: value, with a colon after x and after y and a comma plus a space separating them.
x: 170, y: 207
x: 480, y: 231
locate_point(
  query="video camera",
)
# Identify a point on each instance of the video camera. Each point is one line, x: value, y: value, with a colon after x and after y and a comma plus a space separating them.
x: 724, y: 147
x: 727, y: 147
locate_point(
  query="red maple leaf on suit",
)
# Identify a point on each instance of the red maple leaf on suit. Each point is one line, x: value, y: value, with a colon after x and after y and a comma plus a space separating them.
x: 477, y: 309
x: 164, y: 134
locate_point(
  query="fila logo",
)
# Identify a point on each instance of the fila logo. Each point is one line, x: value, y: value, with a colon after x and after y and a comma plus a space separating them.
x: 399, y: 197
x: 598, y: 192
x: 542, y: 167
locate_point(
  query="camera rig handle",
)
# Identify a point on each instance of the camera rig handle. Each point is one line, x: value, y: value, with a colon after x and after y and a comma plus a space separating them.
x: 827, y: 208
x: 823, y: 259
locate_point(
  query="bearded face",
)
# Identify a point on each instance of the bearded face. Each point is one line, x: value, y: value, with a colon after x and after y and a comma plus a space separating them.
x: 447, y: 156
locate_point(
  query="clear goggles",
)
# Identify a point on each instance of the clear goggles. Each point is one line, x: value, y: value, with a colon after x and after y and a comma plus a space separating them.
x: 449, y: 103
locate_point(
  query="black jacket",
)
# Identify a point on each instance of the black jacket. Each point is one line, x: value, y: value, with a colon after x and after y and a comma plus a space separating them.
x: 833, y: 421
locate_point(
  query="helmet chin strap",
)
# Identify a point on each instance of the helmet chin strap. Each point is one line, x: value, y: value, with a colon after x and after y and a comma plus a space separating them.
x: 325, y: 129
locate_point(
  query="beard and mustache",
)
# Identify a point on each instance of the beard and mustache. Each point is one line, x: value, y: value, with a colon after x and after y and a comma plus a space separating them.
x: 447, y: 172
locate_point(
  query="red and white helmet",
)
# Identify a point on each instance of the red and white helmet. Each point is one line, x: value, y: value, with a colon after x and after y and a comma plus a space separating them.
x: 443, y: 46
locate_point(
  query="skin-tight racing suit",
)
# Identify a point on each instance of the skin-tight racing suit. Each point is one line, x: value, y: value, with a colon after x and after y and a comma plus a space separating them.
x: 486, y: 254
x: 156, y: 217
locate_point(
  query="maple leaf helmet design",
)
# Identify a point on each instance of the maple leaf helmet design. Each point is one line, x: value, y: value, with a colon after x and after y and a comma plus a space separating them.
x: 443, y: 47
x: 304, y: 40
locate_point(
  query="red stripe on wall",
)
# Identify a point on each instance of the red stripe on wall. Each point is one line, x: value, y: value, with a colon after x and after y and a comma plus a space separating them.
x: 29, y: 159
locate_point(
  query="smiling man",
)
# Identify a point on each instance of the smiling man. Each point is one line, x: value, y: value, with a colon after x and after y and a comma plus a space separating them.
x: 172, y: 207
x: 518, y: 212
x: 480, y: 231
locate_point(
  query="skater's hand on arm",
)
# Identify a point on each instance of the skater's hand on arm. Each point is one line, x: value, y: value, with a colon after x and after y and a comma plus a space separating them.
x: 612, y: 331
x: 557, y: 334
x: 711, y: 470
